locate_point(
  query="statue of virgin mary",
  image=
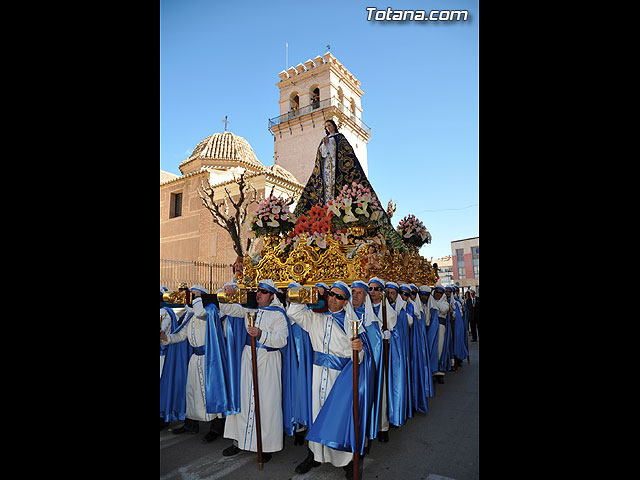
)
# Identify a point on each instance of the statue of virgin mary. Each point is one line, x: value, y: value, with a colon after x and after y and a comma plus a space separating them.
x: 336, y: 165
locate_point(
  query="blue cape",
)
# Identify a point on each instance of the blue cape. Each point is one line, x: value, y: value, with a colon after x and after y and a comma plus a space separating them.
x: 173, y: 382
x: 373, y: 338
x: 333, y: 426
x: 444, y: 364
x: 421, y: 386
x: 236, y: 336
x: 459, y: 335
x: 289, y: 377
x: 216, y: 364
x: 398, y: 393
x: 174, y: 374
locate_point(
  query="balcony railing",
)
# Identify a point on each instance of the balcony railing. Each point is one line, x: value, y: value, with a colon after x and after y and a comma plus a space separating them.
x: 313, y: 106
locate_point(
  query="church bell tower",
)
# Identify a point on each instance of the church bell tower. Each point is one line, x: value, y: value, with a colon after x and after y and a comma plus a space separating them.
x: 311, y: 93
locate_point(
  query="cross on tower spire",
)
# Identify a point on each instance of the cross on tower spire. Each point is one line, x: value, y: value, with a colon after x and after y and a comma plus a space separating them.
x: 225, y: 121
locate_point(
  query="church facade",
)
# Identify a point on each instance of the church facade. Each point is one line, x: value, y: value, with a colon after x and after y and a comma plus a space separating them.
x: 310, y: 93
x: 187, y: 229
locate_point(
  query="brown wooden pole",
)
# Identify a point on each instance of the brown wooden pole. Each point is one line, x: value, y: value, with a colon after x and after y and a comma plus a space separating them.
x: 256, y: 394
x: 356, y: 398
x: 385, y: 346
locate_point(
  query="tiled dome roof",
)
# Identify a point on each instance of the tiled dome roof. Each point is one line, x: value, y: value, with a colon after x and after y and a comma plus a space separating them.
x: 225, y: 146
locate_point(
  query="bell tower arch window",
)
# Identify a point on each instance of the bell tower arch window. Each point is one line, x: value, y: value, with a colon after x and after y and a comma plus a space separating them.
x: 294, y: 104
x: 315, y: 97
x: 294, y: 101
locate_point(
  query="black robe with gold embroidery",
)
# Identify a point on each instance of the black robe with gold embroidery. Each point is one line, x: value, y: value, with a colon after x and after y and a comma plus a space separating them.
x: 348, y: 170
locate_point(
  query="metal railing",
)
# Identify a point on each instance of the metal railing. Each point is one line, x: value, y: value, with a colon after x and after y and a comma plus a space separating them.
x: 313, y: 106
x: 208, y: 274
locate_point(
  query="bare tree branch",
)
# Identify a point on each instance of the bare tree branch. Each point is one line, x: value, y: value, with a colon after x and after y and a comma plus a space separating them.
x: 221, y: 214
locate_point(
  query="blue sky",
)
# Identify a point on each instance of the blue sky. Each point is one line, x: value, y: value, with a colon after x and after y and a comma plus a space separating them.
x: 420, y: 83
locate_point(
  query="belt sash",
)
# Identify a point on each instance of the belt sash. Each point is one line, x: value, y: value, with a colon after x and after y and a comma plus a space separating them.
x: 330, y: 361
x: 260, y: 345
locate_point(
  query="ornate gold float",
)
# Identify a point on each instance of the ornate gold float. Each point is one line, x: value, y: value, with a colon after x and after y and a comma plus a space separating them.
x: 346, y: 261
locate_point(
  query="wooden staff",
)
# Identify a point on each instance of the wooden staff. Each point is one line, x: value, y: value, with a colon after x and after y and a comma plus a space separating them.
x: 356, y: 397
x: 256, y: 395
x: 385, y: 344
x: 385, y: 350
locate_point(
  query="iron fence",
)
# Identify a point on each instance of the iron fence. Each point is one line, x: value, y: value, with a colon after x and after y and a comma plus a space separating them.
x: 207, y: 274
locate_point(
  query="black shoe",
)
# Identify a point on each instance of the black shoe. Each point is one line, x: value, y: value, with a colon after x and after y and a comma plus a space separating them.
x: 299, y: 437
x: 230, y: 451
x: 308, y: 464
x: 266, y: 457
x: 190, y: 427
x: 383, y: 437
x: 210, y: 437
x: 349, y: 469
x: 187, y: 431
x: 349, y: 466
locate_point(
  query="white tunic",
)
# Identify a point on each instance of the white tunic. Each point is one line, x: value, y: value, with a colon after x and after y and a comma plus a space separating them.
x: 241, y: 427
x: 426, y: 312
x: 195, y: 332
x: 165, y: 326
x: 327, y: 337
x: 443, y: 307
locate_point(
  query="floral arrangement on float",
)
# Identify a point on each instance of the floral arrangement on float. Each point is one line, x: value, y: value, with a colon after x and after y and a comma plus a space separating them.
x: 272, y: 217
x: 413, y: 231
x: 355, y: 205
x: 317, y: 225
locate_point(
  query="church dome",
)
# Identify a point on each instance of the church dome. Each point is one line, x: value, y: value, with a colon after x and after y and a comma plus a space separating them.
x: 226, y: 149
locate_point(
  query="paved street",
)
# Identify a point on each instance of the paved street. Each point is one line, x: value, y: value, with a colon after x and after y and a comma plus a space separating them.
x: 439, y: 445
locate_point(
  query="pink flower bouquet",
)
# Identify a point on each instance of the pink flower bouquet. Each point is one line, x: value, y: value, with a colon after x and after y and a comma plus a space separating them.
x: 413, y: 231
x: 272, y: 216
x: 355, y: 205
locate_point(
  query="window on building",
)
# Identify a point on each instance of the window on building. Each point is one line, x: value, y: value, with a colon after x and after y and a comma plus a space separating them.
x: 462, y: 273
x: 460, y: 263
x: 475, y: 261
x: 294, y: 104
x: 175, y: 208
x: 315, y: 98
